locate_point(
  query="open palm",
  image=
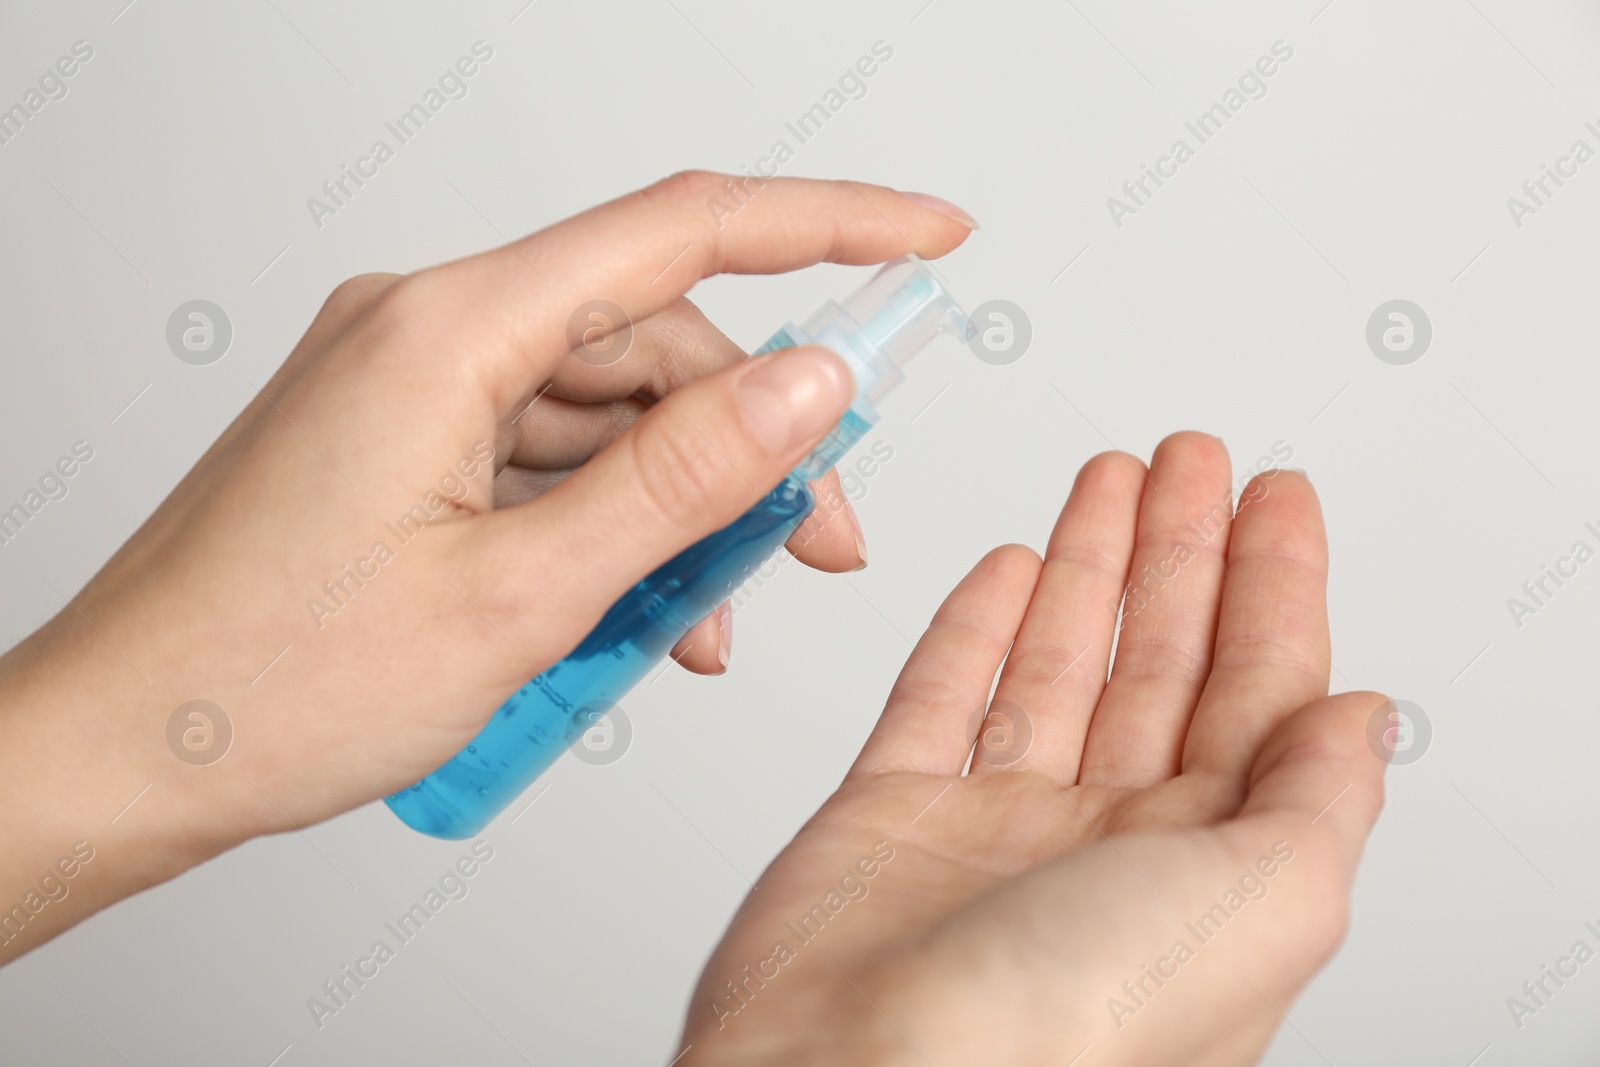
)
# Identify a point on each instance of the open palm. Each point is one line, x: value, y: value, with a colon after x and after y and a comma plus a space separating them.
x: 1148, y: 867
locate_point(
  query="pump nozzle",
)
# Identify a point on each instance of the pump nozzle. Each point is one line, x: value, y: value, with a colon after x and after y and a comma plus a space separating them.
x: 884, y: 323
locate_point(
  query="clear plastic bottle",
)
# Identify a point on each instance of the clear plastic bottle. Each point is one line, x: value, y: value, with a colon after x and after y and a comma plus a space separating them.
x: 875, y: 331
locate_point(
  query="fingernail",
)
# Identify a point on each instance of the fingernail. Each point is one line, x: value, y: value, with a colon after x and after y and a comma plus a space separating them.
x: 943, y: 207
x: 724, y: 633
x: 792, y: 397
x: 861, y: 539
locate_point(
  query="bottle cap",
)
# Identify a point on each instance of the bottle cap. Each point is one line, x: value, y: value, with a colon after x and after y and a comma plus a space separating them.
x: 883, y: 324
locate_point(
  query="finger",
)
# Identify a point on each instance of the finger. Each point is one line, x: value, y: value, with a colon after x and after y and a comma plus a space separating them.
x: 927, y: 724
x: 674, y: 347
x: 505, y: 313
x: 706, y: 647
x: 1320, y: 766
x: 1169, y: 616
x: 666, y: 351
x: 679, y: 346
x: 554, y: 433
x: 1272, y: 635
x: 516, y: 485
x: 570, y: 434
x: 585, y: 405
x: 830, y: 539
x: 1057, y: 670
x: 687, y: 468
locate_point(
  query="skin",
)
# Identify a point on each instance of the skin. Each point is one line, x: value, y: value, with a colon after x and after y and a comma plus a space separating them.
x: 1021, y: 895
x: 1027, y: 884
x: 399, y: 383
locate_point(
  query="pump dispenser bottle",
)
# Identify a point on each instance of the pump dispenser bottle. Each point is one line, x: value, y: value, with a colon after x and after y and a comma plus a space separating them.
x: 875, y: 331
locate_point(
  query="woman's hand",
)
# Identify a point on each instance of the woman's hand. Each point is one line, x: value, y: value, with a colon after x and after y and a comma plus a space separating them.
x: 344, y: 575
x: 1150, y: 867
x: 599, y: 394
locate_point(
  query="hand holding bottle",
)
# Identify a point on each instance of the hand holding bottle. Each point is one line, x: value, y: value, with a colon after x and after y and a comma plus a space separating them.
x: 875, y: 331
x: 390, y: 401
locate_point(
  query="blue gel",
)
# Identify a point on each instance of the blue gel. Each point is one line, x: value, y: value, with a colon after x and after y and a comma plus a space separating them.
x: 875, y: 331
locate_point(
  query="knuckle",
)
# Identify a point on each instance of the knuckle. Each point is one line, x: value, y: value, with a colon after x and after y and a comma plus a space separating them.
x: 675, y: 320
x: 1156, y: 662
x: 965, y: 626
x: 351, y: 297
x: 1271, y: 652
x: 682, y: 200
x: 406, y: 298
x: 358, y: 290
x: 681, y: 345
x: 1097, y: 559
x: 409, y: 315
x: 930, y: 695
x: 1044, y: 661
x: 685, y: 187
x: 404, y: 320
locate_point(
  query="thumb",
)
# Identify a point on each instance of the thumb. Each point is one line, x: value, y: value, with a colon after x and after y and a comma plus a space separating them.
x: 689, y: 466
x: 1321, y: 767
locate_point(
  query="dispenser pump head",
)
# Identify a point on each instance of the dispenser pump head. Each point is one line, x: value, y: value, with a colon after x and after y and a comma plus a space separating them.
x: 877, y: 329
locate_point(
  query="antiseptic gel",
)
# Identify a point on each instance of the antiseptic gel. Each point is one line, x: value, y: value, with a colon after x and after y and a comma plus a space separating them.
x: 875, y: 331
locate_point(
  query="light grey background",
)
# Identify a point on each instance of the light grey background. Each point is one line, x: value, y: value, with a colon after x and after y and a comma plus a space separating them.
x: 1376, y: 168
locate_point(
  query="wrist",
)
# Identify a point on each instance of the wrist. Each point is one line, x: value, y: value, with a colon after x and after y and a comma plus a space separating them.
x: 825, y: 1024
x: 93, y: 805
